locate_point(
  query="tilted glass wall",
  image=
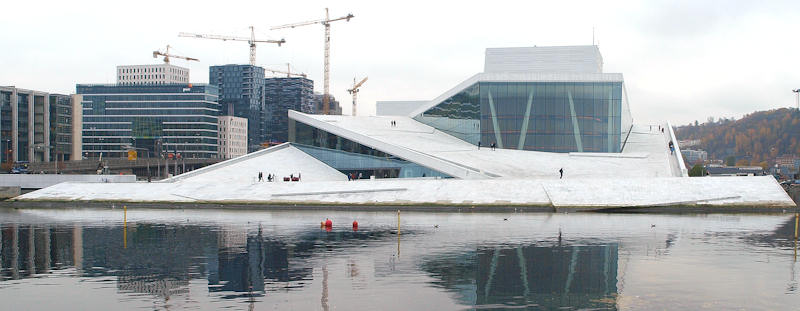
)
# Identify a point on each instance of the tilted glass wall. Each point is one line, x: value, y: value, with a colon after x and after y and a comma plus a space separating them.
x: 542, y: 116
x: 348, y: 156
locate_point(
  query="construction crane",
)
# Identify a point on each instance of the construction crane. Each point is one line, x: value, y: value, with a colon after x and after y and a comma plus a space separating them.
x: 167, y: 55
x: 252, y: 41
x: 327, y: 23
x: 354, y: 90
x: 288, y: 72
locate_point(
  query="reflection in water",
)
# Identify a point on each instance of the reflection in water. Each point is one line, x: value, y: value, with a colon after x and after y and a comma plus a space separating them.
x: 477, y: 265
x: 531, y: 275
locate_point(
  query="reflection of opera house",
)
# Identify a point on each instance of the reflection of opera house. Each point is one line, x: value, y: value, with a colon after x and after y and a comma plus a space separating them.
x: 545, y: 109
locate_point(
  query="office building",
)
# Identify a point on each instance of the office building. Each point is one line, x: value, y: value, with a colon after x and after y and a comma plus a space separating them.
x: 282, y: 95
x: 152, y: 74
x: 232, y: 137
x: 35, y: 125
x: 241, y: 94
x: 153, y: 119
x: 66, y: 122
x: 333, y: 105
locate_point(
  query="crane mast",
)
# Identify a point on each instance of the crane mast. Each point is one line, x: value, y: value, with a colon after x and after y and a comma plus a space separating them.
x: 354, y: 90
x: 251, y: 41
x: 326, y: 72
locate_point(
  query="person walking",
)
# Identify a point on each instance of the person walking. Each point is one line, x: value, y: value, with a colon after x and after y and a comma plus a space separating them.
x: 561, y: 172
x: 479, y: 145
x: 260, y: 176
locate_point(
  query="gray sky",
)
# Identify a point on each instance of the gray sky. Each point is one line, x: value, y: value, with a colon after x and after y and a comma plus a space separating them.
x: 682, y: 60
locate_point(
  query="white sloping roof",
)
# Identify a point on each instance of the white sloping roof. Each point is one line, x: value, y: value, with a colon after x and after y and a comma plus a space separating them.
x: 645, y: 155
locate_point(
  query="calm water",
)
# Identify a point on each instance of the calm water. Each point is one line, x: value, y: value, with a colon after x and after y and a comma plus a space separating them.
x: 247, y: 260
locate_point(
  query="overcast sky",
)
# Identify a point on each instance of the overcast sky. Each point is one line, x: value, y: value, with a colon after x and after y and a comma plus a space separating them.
x: 682, y: 60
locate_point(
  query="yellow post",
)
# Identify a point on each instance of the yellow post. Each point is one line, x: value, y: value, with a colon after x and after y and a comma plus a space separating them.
x: 125, y: 227
x: 796, y: 219
x: 398, y: 233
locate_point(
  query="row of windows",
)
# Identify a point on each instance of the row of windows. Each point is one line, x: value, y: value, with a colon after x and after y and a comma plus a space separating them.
x: 153, y: 70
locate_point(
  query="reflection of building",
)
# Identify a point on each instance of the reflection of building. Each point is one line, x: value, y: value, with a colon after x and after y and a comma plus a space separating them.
x: 34, y: 123
x: 232, y: 137
x: 171, y: 118
x: 282, y: 95
x: 583, y: 277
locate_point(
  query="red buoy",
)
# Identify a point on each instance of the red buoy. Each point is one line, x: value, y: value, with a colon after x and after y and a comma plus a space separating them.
x: 355, y: 225
x: 328, y: 223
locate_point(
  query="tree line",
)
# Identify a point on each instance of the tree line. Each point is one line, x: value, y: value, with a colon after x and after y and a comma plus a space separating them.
x: 755, y: 139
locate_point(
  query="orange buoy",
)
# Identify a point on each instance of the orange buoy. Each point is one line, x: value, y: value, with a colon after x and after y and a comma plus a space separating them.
x: 328, y: 223
x: 322, y: 224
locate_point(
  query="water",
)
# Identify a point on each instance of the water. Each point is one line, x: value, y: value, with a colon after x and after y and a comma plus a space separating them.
x: 91, y: 259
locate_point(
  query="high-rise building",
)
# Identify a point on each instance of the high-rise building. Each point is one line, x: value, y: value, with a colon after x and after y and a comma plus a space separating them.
x: 151, y: 74
x: 35, y: 124
x: 152, y: 119
x: 333, y: 106
x: 66, y: 122
x: 241, y: 94
x: 282, y: 95
x: 232, y: 137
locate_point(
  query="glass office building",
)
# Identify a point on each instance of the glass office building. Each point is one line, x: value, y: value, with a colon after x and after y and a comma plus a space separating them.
x: 242, y: 94
x: 552, y: 116
x: 348, y: 156
x: 283, y: 94
x: 152, y: 119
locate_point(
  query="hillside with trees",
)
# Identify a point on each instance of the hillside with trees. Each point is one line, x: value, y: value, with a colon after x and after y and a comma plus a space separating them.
x: 756, y: 139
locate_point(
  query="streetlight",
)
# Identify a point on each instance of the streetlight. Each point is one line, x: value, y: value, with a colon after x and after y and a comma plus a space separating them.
x: 797, y: 92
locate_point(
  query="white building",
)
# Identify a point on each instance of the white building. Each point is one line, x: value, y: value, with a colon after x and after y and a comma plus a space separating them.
x: 694, y: 156
x: 541, y: 127
x: 232, y: 137
x: 152, y: 74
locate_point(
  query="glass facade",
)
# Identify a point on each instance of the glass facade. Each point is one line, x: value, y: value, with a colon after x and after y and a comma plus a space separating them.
x: 350, y: 157
x: 283, y: 94
x: 542, y: 116
x: 153, y: 119
x: 242, y: 94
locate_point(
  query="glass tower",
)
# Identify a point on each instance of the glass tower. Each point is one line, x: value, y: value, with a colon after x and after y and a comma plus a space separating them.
x: 241, y: 94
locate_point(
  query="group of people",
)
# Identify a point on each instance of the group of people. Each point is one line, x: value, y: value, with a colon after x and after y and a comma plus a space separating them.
x: 671, y: 147
x: 393, y: 123
x: 353, y: 176
x: 270, y: 177
x: 493, y: 145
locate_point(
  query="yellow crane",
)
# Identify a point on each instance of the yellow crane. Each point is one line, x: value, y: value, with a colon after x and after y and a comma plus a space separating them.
x: 354, y: 90
x: 327, y: 23
x: 167, y: 55
x: 288, y: 72
x: 251, y: 40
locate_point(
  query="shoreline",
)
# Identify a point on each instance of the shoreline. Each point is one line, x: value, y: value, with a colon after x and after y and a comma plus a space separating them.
x: 437, y: 208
